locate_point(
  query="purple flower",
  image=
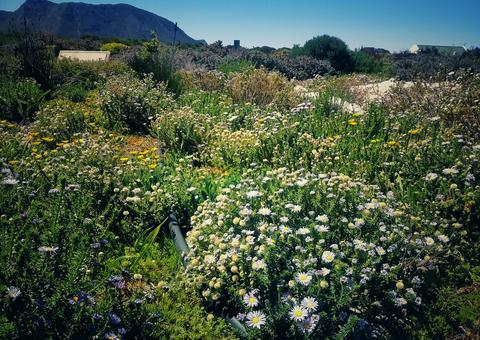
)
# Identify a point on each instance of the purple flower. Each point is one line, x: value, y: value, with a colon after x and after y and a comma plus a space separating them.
x: 97, y: 316
x: 121, y: 330
x: 117, y: 281
x: 114, y: 318
x: 112, y: 336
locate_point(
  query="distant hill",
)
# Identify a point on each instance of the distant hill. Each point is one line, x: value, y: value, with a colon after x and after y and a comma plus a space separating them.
x: 78, y: 19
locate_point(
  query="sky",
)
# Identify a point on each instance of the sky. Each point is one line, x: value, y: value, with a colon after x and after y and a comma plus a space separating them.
x: 390, y: 24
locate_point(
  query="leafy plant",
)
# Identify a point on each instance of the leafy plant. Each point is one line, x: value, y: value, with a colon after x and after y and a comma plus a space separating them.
x: 20, y: 99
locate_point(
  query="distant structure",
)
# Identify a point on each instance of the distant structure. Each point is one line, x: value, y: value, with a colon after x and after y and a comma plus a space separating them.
x: 446, y: 50
x: 84, y: 55
x: 374, y: 50
x: 236, y: 43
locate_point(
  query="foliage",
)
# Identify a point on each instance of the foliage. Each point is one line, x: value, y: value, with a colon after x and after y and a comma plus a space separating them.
x: 77, y: 248
x: 36, y: 54
x: 181, y: 130
x: 113, y: 47
x: 366, y: 63
x: 337, y: 217
x: 262, y: 88
x: 300, y: 67
x: 132, y: 103
x: 211, y: 81
x: 330, y: 48
x: 158, y: 62
x: 61, y: 120
x: 75, y: 79
x: 433, y: 67
x: 19, y: 99
x: 235, y: 65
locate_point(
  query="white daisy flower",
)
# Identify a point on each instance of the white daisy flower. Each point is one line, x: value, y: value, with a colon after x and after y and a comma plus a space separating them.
x: 429, y: 241
x: 13, y: 292
x: 250, y: 300
x: 443, y: 238
x: 431, y: 177
x: 256, y: 319
x: 328, y: 256
x: 258, y: 265
x: 310, y: 304
x: 264, y: 211
x: 298, y: 313
x: 303, y: 278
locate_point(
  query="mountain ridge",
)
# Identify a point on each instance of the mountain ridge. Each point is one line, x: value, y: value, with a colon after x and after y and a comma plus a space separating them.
x: 76, y: 19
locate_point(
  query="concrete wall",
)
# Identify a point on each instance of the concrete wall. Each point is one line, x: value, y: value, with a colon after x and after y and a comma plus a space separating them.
x: 85, y: 55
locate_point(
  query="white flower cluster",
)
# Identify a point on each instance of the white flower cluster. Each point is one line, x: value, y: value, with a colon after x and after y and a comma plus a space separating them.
x: 295, y: 241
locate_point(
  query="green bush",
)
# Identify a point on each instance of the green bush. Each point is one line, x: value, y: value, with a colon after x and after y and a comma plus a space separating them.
x: 263, y: 88
x: 73, y: 92
x: 36, y: 54
x: 132, y: 103
x: 235, y: 65
x: 159, y: 62
x: 113, y: 47
x: 182, y: 130
x: 376, y: 64
x: 20, y: 99
x: 330, y: 48
x: 60, y: 119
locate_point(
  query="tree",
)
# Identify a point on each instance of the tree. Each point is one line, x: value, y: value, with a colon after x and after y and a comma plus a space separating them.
x: 330, y: 48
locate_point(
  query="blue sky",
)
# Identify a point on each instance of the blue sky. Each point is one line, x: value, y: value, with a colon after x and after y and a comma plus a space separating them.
x: 391, y: 24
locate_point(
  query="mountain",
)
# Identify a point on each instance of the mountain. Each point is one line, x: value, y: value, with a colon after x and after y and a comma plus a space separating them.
x: 75, y: 19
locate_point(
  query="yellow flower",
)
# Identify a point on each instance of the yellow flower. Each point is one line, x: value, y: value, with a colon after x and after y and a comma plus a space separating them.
x: 399, y: 285
x: 393, y: 143
x: 13, y: 162
x: 124, y: 159
x: 414, y: 131
x: 47, y: 139
x: 352, y: 122
x: 357, y: 114
x: 374, y: 141
x: 152, y: 166
x: 133, y: 152
x: 36, y: 143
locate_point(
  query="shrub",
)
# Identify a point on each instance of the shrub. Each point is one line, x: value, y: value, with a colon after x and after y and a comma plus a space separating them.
x: 299, y: 67
x: 235, y: 65
x: 158, y: 62
x: 332, y: 49
x: 20, y: 99
x: 132, y: 103
x: 454, y: 100
x: 36, y: 55
x: 297, y: 254
x: 61, y: 119
x: 113, y: 47
x: 182, y: 129
x: 261, y: 88
x: 367, y: 63
x: 211, y: 81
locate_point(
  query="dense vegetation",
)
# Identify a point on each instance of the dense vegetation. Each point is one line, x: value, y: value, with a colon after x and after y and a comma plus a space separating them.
x: 306, y: 217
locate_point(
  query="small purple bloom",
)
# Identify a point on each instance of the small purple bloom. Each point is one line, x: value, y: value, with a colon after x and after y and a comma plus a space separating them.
x: 117, y: 281
x: 112, y: 336
x: 121, y: 331
x: 97, y: 316
x: 114, y: 318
